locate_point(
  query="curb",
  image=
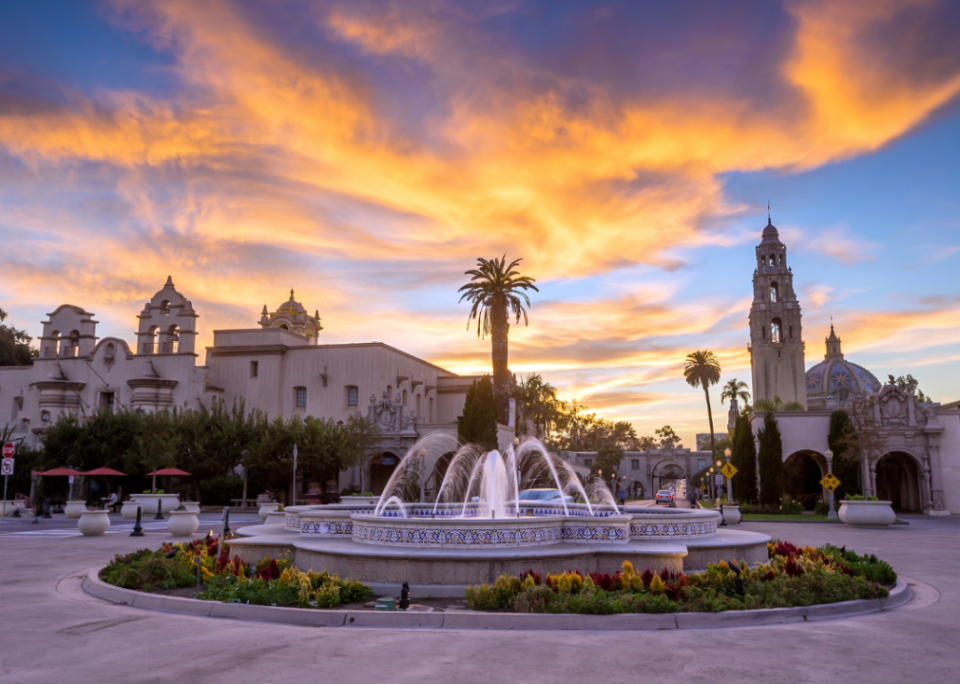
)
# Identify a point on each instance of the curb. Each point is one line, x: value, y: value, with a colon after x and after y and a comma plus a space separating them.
x: 466, y: 619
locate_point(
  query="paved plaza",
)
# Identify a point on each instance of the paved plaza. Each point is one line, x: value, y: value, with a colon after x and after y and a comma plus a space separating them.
x: 52, y: 631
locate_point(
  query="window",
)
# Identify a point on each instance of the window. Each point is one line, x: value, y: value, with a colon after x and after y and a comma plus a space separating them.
x: 404, y: 397
x: 108, y: 401
x: 254, y: 369
x: 430, y: 407
x: 775, y: 326
x: 418, y: 404
x: 773, y: 260
x: 353, y: 396
x: 172, y: 344
x: 774, y: 292
x: 301, y: 397
x: 791, y: 332
x: 164, y: 308
x: 588, y: 462
x: 390, y: 392
x: 701, y: 464
x: 634, y: 464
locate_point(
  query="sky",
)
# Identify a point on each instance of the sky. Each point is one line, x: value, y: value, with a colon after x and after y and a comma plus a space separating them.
x: 366, y: 153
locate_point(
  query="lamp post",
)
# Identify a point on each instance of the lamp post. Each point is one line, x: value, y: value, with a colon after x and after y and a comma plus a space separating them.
x: 713, y: 486
x: 831, y: 514
x: 423, y: 480
x: 726, y: 453
x: 719, y: 486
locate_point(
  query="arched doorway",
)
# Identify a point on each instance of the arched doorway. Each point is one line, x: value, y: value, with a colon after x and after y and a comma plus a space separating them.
x: 802, y: 472
x: 381, y: 468
x: 664, y: 473
x: 898, y: 481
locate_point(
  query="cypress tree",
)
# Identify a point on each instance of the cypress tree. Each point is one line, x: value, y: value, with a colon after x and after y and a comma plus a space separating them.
x: 846, y: 469
x: 478, y: 424
x: 771, y: 462
x: 744, y: 459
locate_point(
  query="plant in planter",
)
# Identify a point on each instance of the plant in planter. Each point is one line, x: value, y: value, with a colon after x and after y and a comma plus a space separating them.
x: 858, y: 511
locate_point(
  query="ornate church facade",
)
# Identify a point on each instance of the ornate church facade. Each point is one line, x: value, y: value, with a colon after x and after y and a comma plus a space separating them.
x: 915, y: 459
x: 279, y: 367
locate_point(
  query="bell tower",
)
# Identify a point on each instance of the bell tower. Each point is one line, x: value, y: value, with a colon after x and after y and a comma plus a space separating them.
x: 776, y: 342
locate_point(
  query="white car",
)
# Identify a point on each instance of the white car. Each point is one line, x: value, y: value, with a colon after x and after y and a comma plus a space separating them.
x: 530, y: 496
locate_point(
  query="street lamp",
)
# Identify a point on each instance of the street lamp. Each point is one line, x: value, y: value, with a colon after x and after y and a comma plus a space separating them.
x: 423, y: 480
x: 726, y: 453
x: 831, y: 514
x: 713, y: 486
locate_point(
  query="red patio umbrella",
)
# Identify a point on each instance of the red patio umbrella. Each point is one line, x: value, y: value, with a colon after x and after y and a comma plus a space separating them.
x: 61, y: 472
x: 175, y: 472
x: 104, y: 472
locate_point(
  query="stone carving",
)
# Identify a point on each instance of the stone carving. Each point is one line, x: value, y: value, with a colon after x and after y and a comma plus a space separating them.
x: 390, y: 416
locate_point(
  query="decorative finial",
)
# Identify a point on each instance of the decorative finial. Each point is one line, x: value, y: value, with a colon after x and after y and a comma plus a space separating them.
x: 769, y: 221
x: 291, y: 294
x: 169, y: 282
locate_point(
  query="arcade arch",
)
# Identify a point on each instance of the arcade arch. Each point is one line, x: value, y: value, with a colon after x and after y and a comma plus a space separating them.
x: 898, y: 481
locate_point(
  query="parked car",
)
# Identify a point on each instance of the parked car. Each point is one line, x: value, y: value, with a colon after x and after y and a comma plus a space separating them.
x: 544, y: 496
x: 664, y: 496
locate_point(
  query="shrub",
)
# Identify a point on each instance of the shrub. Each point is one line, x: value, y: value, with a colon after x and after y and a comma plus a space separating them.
x: 147, y: 570
x: 822, y: 508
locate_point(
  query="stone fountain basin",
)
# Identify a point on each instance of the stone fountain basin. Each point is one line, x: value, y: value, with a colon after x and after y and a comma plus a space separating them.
x: 488, y: 532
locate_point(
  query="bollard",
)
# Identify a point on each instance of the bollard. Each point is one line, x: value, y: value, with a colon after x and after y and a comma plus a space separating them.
x: 226, y: 524
x: 159, y: 515
x: 137, y: 529
x: 723, y: 523
x: 404, y: 597
x: 46, y: 509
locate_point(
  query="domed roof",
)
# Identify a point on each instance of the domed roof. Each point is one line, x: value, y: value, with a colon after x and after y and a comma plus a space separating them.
x: 291, y: 306
x: 770, y: 233
x: 835, y: 373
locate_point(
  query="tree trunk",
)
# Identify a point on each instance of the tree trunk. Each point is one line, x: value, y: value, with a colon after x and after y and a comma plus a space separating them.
x: 246, y: 472
x: 713, y: 444
x: 153, y: 486
x: 499, y: 330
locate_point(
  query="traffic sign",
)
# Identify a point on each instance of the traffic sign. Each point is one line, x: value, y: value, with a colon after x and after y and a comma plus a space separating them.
x: 9, y: 449
x: 703, y: 487
x: 6, y: 466
x: 728, y: 470
x: 718, y: 479
x: 830, y: 482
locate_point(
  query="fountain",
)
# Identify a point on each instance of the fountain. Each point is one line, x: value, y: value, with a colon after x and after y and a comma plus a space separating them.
x: 479, y: 527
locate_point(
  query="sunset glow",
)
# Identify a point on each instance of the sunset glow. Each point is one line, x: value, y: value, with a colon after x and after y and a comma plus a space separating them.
x: 365, y: 153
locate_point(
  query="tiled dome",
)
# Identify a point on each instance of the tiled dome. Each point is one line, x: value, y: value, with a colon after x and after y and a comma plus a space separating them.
x: 834, y: 374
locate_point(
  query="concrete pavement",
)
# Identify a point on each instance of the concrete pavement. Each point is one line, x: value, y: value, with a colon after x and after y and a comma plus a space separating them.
x: 51, y: 631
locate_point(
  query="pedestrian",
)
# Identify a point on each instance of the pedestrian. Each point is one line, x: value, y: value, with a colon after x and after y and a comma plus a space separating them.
x: 692, y: 496
x: 112, y: 502
x: 623, y: 493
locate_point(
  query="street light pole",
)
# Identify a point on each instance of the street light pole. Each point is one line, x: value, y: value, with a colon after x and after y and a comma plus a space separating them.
x: 726, y: 452
x: 831, y: 514
x: 293, y: 492
x: 423, y: 480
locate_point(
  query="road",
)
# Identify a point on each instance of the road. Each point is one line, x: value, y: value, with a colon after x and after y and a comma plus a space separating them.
x: 50, y: 631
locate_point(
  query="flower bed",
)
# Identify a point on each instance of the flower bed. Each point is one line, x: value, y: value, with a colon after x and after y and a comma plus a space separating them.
x: 792, y: 577
x: 271, y: 582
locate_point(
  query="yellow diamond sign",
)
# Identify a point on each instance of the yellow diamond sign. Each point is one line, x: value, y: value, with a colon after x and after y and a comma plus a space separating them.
x: 728, y: 470
x: 830, y: 482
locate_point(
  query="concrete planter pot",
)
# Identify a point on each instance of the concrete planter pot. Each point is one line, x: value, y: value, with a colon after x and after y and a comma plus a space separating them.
x: 267, y: 508
x: 192, y: 506
x: 149, y: 502
x: 74, y: 509
x: 731, y: 514
x: 129, y: 509
x: 93, y: 523
x: 276, y: 518
x: 182, y: 523
x: 361, y: 500
x: 867, y: 513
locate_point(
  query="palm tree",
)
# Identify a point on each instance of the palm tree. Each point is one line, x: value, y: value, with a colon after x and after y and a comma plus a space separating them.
x: 735, y: 389
x: 495, y: 290
x: 702, y: 369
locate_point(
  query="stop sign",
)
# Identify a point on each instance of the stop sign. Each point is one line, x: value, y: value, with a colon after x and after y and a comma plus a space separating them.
x: 9, y: 450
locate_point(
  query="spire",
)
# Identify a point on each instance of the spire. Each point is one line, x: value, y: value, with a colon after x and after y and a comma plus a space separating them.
x: 769, y: 221
x: 833, y: 344
x: 169, y: 282
x: 264, y: 312
x: 291, y: 294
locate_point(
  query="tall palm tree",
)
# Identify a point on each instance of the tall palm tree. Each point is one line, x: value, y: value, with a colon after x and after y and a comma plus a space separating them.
x: 735, y: 389
x: 702, y: 369
x: 495, y: 290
